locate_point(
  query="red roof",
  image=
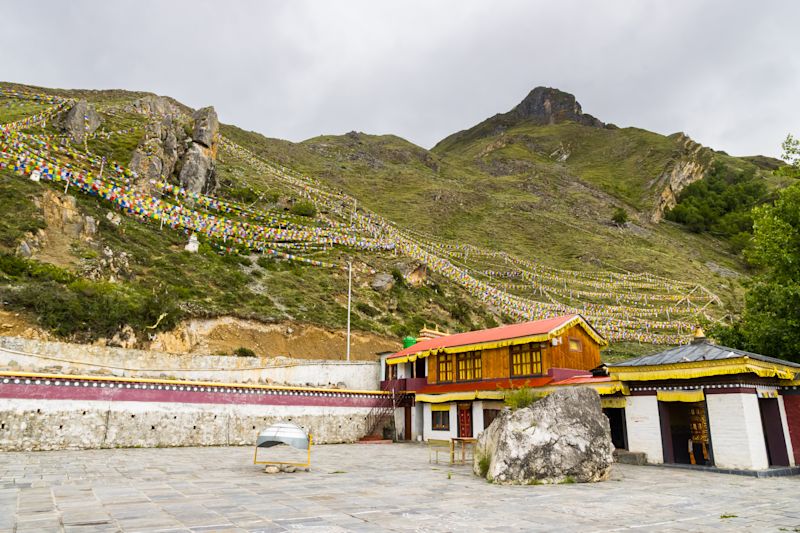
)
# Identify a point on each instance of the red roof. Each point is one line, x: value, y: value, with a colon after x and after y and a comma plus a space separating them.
x: 525, y: 329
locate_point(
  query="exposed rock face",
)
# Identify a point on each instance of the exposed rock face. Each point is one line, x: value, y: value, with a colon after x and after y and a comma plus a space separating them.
x: 564, y: 435
x: 692, y: 164
x: 206, y: 127
x: 166, y: 150
x: 197, y: 173
x: 545, y: 105
x: 154, y: 105
x: 159, y: 150
x: 382, y: 282
x: 81, y: 120
x: 415, y: 274
x: 64, y: 224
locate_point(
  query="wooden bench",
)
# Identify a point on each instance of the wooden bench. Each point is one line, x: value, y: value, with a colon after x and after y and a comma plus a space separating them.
x: 437, y: 445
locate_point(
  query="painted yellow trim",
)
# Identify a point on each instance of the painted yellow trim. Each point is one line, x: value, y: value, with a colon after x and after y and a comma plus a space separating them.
x: 578, y: 320
x: 37, y: 375
x: 690, y: 396
x: 440, y: 407
x: 614, y: 403
x: 701, y: 369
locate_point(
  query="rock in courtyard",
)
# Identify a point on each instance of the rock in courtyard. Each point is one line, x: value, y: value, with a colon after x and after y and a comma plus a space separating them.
x: 563, y: 437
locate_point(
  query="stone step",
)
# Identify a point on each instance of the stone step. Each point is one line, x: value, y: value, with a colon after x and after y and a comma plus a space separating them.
x: 630, y: 458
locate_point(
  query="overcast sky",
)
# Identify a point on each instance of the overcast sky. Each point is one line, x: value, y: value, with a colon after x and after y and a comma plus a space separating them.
x: 727, y: 73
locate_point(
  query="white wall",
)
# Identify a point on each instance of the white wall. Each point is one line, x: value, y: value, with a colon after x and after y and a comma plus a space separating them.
x: 60, y: 357
x: 29, y: 425
x: 477, y: 418
x: 644, y: 427
x: 736, y: 434
x: 429, y: 433
x: 785, y: 425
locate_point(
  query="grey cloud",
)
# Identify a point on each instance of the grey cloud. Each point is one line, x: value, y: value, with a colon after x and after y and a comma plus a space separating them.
x: 726, y: 73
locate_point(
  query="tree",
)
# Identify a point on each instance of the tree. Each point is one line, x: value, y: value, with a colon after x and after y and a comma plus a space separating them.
x: 770, y: 323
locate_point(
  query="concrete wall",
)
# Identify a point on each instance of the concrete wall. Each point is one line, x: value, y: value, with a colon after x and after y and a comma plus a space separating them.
x: 736, y: 434
x: 644, y: 427
x: 28, y: 424
x: 59, y: 357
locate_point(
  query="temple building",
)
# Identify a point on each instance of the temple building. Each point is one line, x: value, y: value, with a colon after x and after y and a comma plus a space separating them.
x: 460, y: 380
x: 698, y: 404
x: 709, y: 405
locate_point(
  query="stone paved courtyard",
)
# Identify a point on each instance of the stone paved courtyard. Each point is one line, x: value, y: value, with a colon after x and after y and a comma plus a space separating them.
x: 359, y: 487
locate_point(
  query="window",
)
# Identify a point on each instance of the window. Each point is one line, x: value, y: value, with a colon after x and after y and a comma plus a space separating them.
x: 526, y: 359
x: 468, y: 366
x: 575, y: 345
x: 440, y: 420
x: 445, y: 367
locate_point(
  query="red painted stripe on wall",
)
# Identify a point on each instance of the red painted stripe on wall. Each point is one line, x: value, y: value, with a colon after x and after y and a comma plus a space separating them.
x: 121, y: 393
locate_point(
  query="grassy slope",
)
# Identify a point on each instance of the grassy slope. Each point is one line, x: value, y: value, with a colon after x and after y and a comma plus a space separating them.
x: 504, y: 192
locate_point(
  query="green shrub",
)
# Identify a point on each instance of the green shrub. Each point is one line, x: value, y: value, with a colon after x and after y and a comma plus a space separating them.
x: 367, y: 309
x: 620, y: 216
x: 521, y: 398
x: 244, y: 352
x: 304, y: 208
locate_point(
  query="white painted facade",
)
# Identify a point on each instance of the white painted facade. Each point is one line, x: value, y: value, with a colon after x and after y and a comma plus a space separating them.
x: 736, y: 435
x: 477, y: 419
x: 644, y: 427
x: 786, y: 435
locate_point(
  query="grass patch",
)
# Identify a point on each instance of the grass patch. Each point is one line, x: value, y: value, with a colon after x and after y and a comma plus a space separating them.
x: 521, y: 398
x: 483, y: 465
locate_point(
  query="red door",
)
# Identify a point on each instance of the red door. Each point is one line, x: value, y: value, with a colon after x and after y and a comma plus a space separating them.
x: 465, y: 420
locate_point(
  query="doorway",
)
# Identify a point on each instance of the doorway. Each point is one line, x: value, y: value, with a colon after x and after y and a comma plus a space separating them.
x: 684, y: 433
x: 616, y: 421
x: 407, y: 423
x: 465, y: 420
x: 773, y: 432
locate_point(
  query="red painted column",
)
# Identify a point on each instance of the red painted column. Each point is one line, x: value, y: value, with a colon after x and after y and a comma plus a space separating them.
x: 792, y: 404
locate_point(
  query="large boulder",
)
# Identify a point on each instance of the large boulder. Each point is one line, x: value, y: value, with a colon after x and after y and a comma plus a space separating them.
x: 563, y: 437
x: 81, y: 120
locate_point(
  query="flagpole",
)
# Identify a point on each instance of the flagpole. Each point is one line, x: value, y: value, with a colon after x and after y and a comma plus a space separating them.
x: 349, y: 292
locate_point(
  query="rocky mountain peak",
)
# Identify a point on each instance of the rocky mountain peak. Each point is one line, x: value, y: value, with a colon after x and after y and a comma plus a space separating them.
x: 546, y: 105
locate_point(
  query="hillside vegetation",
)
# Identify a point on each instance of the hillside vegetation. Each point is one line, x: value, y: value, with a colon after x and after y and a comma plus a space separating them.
x: 512, y: 218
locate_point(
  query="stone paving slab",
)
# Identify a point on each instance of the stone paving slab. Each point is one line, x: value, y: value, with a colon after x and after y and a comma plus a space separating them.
x: 365, y: 489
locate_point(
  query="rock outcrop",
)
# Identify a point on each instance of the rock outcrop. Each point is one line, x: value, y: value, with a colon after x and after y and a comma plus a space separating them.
x: 562, y: 437
x: 81, y: 120
x: 153, y: 105
x: 382, y: 282
x: 691, y: 164
x: 545, y: 105
x: 159, y: 150
x: 166, y: 150
x: 198, y: 172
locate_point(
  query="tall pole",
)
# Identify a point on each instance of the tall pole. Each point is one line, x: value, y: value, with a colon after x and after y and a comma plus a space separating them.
x: 349, y: 293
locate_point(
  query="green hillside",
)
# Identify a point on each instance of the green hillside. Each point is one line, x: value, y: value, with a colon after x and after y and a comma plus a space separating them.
x: 512, y: 219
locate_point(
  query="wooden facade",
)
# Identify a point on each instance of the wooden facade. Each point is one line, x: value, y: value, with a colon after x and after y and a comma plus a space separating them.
x: 576, y: 350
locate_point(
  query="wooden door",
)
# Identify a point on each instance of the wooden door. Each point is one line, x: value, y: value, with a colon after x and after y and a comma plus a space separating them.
x: 465, y: 420
x: 773, y: 432
x: 407, y: 423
